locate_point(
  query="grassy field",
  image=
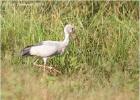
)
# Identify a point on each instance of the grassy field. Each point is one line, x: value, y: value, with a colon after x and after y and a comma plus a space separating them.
x: 101, y: 63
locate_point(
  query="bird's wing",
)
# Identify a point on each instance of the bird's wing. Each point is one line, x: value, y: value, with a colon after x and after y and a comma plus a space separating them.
x: 44, y: 50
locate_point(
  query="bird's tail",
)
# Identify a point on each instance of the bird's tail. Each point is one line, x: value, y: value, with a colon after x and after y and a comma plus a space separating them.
x: 26, y: 51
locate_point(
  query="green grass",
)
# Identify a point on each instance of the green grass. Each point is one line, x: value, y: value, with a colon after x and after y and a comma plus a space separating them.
x: 101, y: 63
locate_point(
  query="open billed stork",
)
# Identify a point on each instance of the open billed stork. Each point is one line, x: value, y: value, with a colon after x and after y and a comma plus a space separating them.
x: 46, y: 49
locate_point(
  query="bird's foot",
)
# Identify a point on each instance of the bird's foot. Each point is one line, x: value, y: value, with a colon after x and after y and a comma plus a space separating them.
x: 53, y: 71
x: 50, y: 70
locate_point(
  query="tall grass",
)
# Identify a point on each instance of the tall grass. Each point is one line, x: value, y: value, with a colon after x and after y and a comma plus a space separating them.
x: 104, y: 54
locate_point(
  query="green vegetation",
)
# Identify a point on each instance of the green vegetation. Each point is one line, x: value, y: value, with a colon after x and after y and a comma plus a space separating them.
x: 101, y: 63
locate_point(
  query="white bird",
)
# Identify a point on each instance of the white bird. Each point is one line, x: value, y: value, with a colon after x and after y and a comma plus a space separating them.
x: 46, y: 49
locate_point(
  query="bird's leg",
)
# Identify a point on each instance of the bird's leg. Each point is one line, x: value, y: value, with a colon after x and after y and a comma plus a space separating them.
x: 46, y: 67
x: 45, y: 61
x: 35, y: 63
x: 50, y: 69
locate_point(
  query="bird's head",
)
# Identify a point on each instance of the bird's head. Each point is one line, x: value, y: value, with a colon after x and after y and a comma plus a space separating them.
x: 69, y: 29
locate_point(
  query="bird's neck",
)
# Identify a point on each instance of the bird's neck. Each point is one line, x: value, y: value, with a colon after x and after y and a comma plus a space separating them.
x: 66, y: 39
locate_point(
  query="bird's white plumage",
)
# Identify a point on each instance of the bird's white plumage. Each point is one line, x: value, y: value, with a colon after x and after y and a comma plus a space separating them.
x: 48, y: 48
x: 43, y: 50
